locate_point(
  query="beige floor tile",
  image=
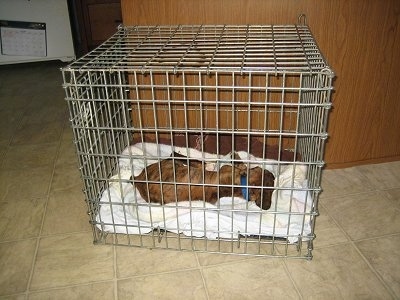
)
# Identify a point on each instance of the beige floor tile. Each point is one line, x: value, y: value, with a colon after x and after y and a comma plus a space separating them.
x: 341, y: 182
x: 133, y: 261
x: 14, y: 297
x: 393, y: 195
x: 25, y: 183
x: 384, y: 255
x: 253, y: 279
x: 364, y: 215
x: 37, y: 133
x: 21, y: 218
x: 68, y: 135
x: 66, y: 212
x: 67, y: 153
x: 66, y: 176
x: 326, y: 231
x: 51, y: 102
x: 209, y: 259
x: 177, y: 285
x: 3, y: 150
x: 336, y: 272
x: 10, y: 121
x: 54, y: 113
x: 15, y: 265
x: 30, y: 156
x: 3, y: 147
x: 15, y: 100
x: 65, y: 260
x: 382, y: 176
x: 98, y: 291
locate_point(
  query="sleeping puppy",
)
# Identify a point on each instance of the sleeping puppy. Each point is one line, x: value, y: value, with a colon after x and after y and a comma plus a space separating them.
x: 180, y: 179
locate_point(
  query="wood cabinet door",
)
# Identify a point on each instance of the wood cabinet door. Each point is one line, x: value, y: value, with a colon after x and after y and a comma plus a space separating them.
x: 101, y: 19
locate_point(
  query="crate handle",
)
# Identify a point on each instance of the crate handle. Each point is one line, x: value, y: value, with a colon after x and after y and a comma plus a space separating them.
x: 302, y: 20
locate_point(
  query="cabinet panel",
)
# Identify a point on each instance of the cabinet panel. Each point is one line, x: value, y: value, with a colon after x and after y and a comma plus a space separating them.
x: 103, y: 20
x: 94, y: 21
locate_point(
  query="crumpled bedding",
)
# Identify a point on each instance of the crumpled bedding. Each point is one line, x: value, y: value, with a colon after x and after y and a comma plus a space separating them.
x: 123, y: 210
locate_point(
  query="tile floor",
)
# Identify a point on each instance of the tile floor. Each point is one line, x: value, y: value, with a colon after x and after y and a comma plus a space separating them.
x: 46, y: 249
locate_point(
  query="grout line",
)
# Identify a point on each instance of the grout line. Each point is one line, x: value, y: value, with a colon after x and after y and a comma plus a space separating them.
x: 159, y: 273
x: 291, y: 278
x: 57, y: 288
x: 46, y: 236
x: 372, y: 268
x: 115, y: 280
x: 352, y: 243
x: 14, y: 296
x: 202, y: 275
x: 248, y: 257
x: 334, y: 197
x: 377, y: 237
x: 4, y: 155
x: 28, y: 287
x: 393, y: 202
x: 19, y: 125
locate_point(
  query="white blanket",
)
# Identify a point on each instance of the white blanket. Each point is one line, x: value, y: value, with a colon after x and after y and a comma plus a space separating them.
x: 123, y: 210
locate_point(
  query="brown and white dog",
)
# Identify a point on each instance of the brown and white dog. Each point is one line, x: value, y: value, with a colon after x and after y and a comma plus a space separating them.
x: 180, y: 179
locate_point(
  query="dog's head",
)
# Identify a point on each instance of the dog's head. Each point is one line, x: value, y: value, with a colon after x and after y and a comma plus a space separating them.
x: 265, y: 180
x: 249, y: 178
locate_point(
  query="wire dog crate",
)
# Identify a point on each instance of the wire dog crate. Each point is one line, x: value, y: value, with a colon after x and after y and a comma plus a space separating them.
x: 218, y: 95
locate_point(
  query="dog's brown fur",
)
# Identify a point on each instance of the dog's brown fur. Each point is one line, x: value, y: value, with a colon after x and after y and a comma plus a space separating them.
x: 187, y: 182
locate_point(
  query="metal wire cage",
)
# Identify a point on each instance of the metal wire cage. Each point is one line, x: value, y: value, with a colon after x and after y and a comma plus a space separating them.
x: 262, y: 91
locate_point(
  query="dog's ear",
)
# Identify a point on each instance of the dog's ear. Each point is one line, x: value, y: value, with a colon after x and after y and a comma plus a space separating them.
x: 235, y: 156
x: 238, y: 164
x: 236, y: 159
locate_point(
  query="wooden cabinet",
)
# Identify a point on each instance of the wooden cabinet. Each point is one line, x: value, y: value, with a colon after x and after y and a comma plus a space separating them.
x: 96, y: 20
x: 361, y: 41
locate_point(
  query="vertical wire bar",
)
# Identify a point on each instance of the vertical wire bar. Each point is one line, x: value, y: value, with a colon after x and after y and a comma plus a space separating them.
x: 248, y: 131
x: 187, y: 127
x: 156, y: 128
x: 282, y: 133
x: 232, y: 113
x: 232, y: 128
x: 202, y: 128
x: 266, y: 129
x: 200, y: 87
x: 126, y: 123
x: 300, y: 101
x: 88, y: 138
x: 169, y: 126
x: 217, y: 101
x: 136, y: 85
x: 112, y: 149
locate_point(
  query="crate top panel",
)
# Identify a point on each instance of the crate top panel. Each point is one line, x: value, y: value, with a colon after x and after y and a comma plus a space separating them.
x: 207, y: 48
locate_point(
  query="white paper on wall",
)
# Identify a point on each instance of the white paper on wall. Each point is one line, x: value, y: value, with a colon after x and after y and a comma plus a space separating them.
x: 25, y: 39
